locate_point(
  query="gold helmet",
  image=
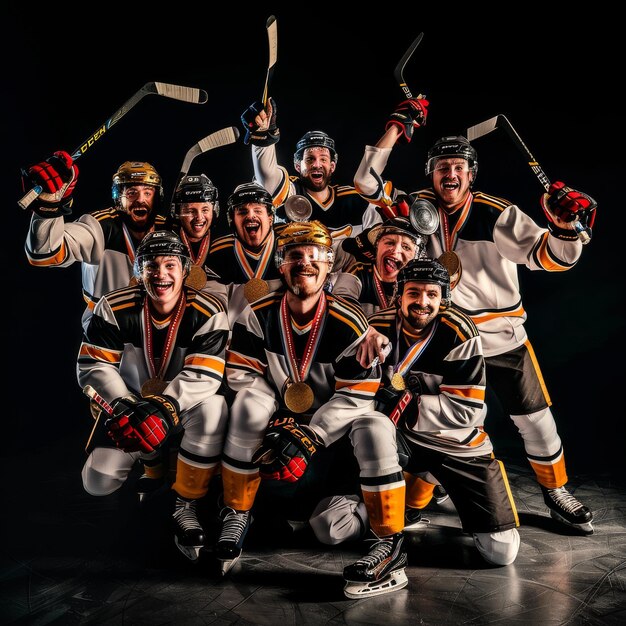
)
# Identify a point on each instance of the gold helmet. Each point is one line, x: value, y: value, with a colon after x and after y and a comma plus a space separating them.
x: 135, y: 173
x: 303, y: 233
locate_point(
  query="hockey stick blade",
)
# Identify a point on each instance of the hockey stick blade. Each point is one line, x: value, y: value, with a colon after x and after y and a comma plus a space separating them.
x: 272, y: 38
x: 399, y: 70
x: 167, y: 90
x: 219, y: 138
x: 480, y: 130
x: 91, y: 393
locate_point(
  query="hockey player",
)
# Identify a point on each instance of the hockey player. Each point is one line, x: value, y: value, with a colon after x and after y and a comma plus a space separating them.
x: 244, y: 259
x: 339, y: 207
x: 155, y: 352
x: 481, y: 240
x: 103, y: 241
x: 299, y: 388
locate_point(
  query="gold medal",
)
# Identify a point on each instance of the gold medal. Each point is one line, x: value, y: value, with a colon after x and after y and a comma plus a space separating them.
x: 299, y: 397
x: 153, y: 387
x: 397, y: 382
x: 196, y: 277
x: 451, y: 261
x: 255, y: 288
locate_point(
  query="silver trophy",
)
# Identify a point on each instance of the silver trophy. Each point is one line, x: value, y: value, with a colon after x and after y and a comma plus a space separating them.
x: 298, y: 208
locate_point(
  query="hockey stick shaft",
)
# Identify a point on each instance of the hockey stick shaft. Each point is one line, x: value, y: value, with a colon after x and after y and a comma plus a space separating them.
x: 90, y: 392
x: 501, y: 121
x: 399, y: 69
x: 175, y: 92
x: 272, y: 38
x: 219, y: 138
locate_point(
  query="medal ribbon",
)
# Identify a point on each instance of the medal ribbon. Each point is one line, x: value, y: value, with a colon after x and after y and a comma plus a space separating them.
x: 404, y: 364
x: 240, y: 255
x: 128, y: 240
x: 380, y: 291
x: 448, y: 239
x: 299, y: 374
x: 172, y: 331
x: 202, y: 251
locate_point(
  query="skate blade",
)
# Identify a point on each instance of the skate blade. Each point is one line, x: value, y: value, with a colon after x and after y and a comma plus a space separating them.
x: 586, y: 528
x: 393, y: 582
x: 191, y: 552
x: 227, y: 564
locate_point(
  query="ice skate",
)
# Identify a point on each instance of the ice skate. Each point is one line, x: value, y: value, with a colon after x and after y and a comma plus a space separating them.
x: 147, y: 487
x: 380, y: 571
x: 235, y: 525
x: 413, y: 519
x: 567, y: 510
x: 188, y: 533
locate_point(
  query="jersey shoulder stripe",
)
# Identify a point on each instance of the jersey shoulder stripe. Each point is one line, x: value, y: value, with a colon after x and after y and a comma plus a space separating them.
x: 349, y: 312
x: 493, y: 201
x: 106, y: 214
x: 204, y: 301
x: 459, y: 322
x: 124, y: 298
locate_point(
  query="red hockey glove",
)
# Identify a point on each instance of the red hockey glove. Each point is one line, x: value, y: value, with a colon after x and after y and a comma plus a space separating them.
x: 286, y: 450
x: 264, y: 135
x: 57, y: 177
x: 409, y: 115
x: 142, y: 424
x: 564, y: 205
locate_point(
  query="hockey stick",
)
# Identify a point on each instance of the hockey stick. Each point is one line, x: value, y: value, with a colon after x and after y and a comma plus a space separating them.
x: 501, y: 121
x: 176, y: 92
x: 89, y: 391
x: 272, y: 38
x: 219, y: 138
x: 399, y: 70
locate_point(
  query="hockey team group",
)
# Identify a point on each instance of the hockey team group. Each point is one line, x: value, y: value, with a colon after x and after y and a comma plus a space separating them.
x: 324, y: 360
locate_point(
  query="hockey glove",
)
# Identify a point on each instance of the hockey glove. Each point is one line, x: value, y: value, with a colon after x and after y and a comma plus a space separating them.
x: 563, y: 205
x: 265, y: 134
x: 142, y: 424
x: 409, y: 115
x: 286, y: 450
x: 57, y: 177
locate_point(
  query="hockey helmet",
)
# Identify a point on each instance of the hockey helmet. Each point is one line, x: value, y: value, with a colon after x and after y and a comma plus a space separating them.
x: 160, y: 243
x: 450, y: 147
x: 394, y: 226
x: 315, y: 139
x: 195, y: 189
x: 245, y: 193
x: 426, y: 271
x: 303, y: 233
x: 135, y: 173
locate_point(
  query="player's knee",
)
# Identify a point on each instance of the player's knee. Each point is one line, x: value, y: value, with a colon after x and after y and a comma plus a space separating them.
x: 338, y: 519
x: 105, y: 471
x: 498, y: 548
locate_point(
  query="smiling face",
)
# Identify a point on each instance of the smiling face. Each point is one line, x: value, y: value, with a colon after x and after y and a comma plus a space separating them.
x: 138, y: 203
x: 305, y: 268
x: 196, y: 219
x: 452, y: 179
x: 419, y: 304
x: 316, y: 168
x: 163, y: 278
x: 393, y: 252
x: 253, y: 222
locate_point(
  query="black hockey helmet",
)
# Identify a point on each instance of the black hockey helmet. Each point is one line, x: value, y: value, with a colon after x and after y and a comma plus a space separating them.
x: 399, y: 225
x: 315, y: 139
x: 426, y: 271
x: 195, y: 189
x: 245, y: 193
x: 449, y: 147
x: 160, y: 243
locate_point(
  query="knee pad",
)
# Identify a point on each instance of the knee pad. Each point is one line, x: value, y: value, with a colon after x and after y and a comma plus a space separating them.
x: 338, y: 519
x: 106, y: 470
x: 498, y: 548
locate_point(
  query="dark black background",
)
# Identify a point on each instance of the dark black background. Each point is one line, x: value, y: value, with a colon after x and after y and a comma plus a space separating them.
x: 552, y: 74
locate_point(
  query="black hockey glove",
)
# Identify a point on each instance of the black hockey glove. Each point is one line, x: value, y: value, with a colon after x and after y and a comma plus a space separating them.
x: 266, y: 133
x: 57, y: 177
x: 142, y: 424
x: 286, y: 450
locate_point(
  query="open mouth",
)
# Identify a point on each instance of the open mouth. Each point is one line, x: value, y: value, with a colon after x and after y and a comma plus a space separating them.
x: 252, y: 228
x: 392, y: 265
x: 160, y: 288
